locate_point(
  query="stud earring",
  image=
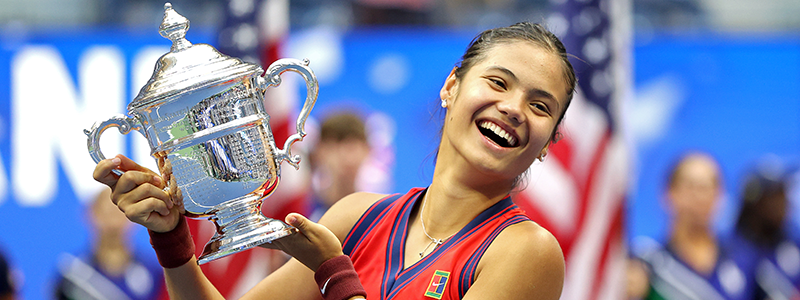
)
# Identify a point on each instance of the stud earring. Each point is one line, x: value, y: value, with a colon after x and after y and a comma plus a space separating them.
x: 444, y: 103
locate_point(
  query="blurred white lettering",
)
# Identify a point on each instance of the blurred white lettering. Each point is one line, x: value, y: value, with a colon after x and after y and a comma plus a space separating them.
x: 49, y: 114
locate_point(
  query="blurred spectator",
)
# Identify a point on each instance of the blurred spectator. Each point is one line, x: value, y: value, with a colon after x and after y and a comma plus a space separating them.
x: 336, y: 160
x: 111, y: 270
x: 490, y: 13
x: 393, y: 12
x: 7, y: 288
x: 649, y: 15
x: 693, y: 264
x: 764, y: 233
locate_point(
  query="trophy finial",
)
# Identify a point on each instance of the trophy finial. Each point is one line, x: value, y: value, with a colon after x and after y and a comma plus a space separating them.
x: 174, y: 27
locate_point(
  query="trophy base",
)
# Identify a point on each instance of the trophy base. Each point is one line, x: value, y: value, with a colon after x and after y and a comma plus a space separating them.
x: 248, y: 229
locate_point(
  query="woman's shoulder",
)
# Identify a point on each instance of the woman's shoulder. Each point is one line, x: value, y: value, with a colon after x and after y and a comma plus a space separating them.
x: 528, y: 238
x: 528, y: 258
x: 529, y: 244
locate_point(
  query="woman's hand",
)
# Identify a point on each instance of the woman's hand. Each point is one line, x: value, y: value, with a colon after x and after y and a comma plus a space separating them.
x: 139, y: 193
x: 312, y: 245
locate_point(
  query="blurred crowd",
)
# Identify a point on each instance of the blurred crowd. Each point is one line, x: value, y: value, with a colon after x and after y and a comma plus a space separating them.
x: 724, y: 15
x: 758, y: 259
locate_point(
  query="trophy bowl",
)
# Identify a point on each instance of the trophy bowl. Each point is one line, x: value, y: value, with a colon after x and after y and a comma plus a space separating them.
x: 203, y: 116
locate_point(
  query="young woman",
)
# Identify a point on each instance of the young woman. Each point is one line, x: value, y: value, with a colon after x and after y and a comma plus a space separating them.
x: 693, y: 263
x: 461, y: 237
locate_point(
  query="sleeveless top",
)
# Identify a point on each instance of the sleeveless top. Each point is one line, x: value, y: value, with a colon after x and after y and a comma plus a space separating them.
x: 376, y: 244
x: 673, y: 278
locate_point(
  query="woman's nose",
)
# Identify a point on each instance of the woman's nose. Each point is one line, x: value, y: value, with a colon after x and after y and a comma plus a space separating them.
x: 512, y: 108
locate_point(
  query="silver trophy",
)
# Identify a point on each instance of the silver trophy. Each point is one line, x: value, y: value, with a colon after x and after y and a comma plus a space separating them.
x: 203, y: 116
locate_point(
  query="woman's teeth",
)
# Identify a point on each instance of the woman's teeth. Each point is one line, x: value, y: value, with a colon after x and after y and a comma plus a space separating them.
x: 500, y: 132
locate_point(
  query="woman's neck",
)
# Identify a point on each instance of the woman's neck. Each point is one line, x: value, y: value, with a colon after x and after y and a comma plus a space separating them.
x: 459, y: 192
x: 696, y: 245
x: 459, y: 178
x: 112, y: 255
x: 453, y: 202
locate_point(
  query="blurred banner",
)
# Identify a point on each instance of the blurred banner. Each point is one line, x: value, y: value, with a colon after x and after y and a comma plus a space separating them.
x: 55, y: 85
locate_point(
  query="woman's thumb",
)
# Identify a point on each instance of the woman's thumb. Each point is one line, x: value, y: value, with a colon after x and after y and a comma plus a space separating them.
x: 298, y: 221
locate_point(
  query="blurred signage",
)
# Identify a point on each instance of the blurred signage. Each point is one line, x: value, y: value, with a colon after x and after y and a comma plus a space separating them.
x: 52, y: 87
x: 50, y: 107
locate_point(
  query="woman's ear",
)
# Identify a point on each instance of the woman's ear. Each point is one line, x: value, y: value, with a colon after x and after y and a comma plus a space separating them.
x: 543, y: 153
x: 449, y: 88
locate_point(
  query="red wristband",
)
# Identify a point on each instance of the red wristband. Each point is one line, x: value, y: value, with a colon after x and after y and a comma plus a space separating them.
x: 173, y: 248
x: 337, y: 279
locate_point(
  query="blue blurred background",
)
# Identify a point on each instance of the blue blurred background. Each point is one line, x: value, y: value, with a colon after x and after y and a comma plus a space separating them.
x: 716, y: 75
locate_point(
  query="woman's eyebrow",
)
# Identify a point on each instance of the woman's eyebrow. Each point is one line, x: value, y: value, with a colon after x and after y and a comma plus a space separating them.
x: 539, y: 93
x: 504, y: 70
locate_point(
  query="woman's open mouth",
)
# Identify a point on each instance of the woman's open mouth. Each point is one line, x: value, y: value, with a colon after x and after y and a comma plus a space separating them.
x: 497, y: 134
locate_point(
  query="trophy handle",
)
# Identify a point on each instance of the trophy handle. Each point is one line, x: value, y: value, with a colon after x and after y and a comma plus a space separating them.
x: 123, y: 123
x: 312, y: 89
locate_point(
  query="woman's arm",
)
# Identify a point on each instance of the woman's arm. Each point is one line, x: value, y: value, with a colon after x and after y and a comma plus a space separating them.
x: 296, y: 279
x: 139, y: 194
x: 189, y: 282
x: 523, y: 262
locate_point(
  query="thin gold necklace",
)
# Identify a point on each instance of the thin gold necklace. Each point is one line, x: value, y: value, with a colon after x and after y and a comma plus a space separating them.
x: 434, y: 242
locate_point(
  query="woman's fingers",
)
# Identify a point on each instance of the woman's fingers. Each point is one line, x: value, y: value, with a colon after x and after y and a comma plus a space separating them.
x: 302, y: 224
x: 312, y: 245
x: 103, y: 172
x: 145, y: 197
x: 126, y: 164
x: 154, y: 214
x: 139, y: 193
x: 150, y: 206
x: 133, y: 179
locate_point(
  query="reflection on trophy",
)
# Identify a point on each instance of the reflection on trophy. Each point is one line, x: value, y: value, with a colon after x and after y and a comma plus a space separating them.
x: 203, y: 116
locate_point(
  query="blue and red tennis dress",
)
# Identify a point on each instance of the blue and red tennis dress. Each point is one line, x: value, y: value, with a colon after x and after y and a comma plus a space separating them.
x: 376, y: 245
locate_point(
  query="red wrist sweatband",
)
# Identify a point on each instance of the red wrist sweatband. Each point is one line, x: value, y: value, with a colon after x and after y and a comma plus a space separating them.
x: 173, y: 248
x: 337, y: 279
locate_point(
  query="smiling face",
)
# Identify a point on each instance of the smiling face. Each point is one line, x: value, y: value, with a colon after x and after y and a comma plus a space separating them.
x: 502, y: 112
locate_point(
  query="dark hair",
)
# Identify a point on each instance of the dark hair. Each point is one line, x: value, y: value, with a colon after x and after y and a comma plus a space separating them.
x: 763, y: 208
x: 523, y: 31
x: 343, y: 126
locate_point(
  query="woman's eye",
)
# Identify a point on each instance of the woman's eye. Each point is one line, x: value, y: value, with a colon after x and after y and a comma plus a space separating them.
x: 540, y: 107
x: 498, y: 83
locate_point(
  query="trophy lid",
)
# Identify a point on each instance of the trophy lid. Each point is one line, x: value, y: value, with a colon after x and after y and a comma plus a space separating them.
x: 187, y: 67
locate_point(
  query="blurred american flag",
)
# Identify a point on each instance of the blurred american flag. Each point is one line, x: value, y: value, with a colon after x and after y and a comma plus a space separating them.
x: 578, y: 192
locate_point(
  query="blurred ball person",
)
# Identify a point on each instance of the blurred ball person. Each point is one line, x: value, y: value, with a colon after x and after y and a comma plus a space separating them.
x: 336, y: 160
x: 694, y: 263
x: 111, y: 270
x: 764, y: 233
